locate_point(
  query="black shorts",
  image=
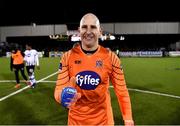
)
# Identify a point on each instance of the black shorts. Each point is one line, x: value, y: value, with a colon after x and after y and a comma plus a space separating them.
x: 30, y: 69
x: 19, y: 66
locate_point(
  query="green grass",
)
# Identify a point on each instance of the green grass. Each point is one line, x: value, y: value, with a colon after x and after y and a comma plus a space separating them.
x: 37, y: 106
x: 33, y: 107
x: 156, y: 74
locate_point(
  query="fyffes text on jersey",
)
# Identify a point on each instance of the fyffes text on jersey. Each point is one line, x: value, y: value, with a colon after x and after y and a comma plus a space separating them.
x: 88, y: 80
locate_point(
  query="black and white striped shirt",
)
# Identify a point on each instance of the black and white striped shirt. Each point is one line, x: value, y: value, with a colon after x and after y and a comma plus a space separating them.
x: 31, y: 57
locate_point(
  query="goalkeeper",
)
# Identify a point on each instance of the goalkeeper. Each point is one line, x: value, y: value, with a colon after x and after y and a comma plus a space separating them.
x: 83, y: 80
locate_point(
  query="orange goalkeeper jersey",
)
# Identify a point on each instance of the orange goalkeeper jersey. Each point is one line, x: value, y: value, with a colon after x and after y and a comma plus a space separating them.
x: 93, y: 73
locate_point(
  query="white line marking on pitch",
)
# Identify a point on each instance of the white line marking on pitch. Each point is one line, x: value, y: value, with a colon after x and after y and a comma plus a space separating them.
x: 130, y: 89
x: 153, y: 92
x: 8, y: 81
x: 20, y: 90
x: 156, y: 93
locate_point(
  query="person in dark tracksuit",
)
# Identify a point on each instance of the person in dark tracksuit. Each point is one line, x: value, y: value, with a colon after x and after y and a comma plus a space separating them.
x: 16, y: 65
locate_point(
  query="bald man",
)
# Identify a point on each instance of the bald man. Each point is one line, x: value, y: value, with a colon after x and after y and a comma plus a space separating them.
x: 83, y: 80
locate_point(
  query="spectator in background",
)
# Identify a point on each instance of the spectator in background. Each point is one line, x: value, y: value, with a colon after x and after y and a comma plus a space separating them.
x: 31, y: 59
x: 117, y: 52
x: 16, y: 64
x: 83, y: 80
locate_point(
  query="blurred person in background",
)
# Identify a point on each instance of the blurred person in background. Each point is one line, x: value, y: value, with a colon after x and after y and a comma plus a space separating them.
x: 16, y: 65
x: 31, y: 60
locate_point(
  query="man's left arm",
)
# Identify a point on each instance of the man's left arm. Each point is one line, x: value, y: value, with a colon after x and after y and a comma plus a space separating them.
x: 37, y: 60
x: 118, y: 81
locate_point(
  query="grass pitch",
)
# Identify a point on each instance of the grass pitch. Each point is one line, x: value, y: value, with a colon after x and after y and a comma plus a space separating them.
x: 37, y: 106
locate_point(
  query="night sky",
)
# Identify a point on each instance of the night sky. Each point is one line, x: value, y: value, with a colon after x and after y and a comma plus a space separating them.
x: 25, y: 12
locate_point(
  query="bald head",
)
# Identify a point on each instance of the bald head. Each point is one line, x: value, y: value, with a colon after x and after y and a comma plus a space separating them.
x: 90, y: 32
x: 90, y: 17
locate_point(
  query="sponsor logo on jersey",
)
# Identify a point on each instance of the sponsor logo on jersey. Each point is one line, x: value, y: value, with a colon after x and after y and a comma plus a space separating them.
x: 77, y: 61
x: 88, y: 80
x: 28, y: 55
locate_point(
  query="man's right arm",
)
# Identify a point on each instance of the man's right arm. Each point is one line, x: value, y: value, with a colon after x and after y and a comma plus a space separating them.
x: 65, y: 91
x: 63, y: 77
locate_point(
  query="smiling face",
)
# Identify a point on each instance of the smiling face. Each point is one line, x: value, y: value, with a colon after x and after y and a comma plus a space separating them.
x: 90, y: 31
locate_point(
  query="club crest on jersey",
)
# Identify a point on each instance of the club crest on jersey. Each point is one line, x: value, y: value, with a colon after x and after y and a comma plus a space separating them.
x: 88, y: 80
x: 99, y: 63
